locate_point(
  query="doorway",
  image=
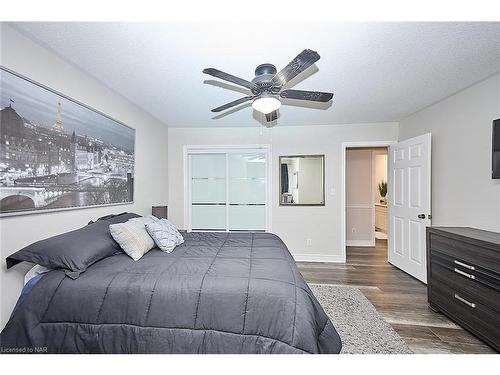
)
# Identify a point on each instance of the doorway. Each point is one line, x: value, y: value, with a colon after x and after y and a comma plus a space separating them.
x: 364, y: 221
x: 366, y: 199
x: 408, y: 206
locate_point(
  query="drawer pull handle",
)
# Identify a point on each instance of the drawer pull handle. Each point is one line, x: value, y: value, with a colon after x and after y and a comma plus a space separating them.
x: 472, y: 277
x: 470, y: 304
x: 464, y: 265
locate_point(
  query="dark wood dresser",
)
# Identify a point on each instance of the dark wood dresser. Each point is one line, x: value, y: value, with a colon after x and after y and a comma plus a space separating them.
x: 463, y: 278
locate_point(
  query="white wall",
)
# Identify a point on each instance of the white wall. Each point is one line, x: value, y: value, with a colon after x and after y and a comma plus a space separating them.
x: 23, y: 56
x: 360, y: 228
x: 294, y: 224
x: 463, y: 192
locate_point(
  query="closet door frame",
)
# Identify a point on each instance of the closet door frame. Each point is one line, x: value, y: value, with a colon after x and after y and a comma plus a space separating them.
x: 188, y: 150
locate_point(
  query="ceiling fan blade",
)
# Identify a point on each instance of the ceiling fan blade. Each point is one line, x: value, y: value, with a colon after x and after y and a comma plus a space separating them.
x: 314, y: 96
x: 300, y: 63
x: 232, y: 104
x: 232, y: 110
x: 230, y: 78
x: 227, y: 86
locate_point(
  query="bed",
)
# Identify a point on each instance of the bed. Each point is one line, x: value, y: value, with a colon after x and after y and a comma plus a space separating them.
x: 215, y: 293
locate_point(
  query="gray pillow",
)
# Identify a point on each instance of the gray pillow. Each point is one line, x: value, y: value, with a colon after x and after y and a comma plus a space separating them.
x: 119, y: 218
x: 72, y: 252
x: 165, y: 234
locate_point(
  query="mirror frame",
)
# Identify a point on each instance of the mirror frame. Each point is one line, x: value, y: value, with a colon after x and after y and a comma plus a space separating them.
x: 322, y: 156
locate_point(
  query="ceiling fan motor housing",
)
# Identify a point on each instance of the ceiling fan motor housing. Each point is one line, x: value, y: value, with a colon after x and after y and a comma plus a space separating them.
x: 264, y: 73
x: 265, y: 69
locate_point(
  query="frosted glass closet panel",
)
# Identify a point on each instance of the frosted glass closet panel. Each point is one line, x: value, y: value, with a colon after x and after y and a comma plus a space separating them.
x: 208, y: 191
x: 208, y: 217
x: 247, y: 191
x: 247, y: 217
x: 247, y: 165
x: 208, y: 165
x: 228, y: 191
x: 247, y: 179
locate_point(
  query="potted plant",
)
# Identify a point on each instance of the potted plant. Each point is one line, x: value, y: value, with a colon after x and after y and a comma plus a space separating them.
x: 382, y: 189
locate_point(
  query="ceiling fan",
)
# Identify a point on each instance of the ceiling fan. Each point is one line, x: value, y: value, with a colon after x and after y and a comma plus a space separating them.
x: 267, y: 86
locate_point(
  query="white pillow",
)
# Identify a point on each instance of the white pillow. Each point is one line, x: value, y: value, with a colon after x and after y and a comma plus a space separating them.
x: 35, y: 271
x: 132, y: 237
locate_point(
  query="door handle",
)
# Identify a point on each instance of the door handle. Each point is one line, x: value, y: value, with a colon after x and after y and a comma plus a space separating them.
x: 421, y: 216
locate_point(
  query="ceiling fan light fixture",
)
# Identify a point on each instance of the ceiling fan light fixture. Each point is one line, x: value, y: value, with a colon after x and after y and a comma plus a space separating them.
x: 266, y: 104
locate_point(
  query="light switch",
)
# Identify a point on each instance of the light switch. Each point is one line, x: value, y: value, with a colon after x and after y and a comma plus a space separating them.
x: 332, y: 191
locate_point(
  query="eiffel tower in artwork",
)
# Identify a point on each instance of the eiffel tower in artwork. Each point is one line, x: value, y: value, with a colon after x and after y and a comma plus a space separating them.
x: 58, y: 124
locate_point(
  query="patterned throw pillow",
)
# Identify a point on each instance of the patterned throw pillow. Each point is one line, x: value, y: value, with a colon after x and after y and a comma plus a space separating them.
x: 165, y: 234
x: 178, y: 236
x: 133, y: 237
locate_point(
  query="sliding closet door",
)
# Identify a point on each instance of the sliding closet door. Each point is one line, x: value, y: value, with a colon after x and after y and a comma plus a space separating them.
x: 228, y: 190
x: 208, y: 192
x: 247, y: 192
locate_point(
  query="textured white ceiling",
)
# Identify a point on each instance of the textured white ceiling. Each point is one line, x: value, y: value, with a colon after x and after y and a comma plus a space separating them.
x: 377, y: 71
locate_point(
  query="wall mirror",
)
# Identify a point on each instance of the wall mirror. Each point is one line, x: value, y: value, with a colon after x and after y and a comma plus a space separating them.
x: 302, y: 180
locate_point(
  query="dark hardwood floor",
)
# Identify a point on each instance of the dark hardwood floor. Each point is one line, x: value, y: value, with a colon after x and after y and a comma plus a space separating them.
x: 399, y: 298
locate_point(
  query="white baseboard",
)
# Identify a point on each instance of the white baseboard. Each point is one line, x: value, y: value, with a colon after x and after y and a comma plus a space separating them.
x: 318, y: 258
x: 360, y: 243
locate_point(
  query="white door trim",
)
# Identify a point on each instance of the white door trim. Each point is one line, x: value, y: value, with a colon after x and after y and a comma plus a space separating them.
x: 345, y: 146
x: 225, y: 149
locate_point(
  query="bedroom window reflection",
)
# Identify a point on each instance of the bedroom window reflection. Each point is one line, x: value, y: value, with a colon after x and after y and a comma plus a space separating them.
x: 228, y: 191
x: 302, y: 180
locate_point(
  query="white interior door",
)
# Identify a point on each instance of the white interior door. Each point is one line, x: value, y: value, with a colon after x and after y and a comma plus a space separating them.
x: 409, y: 206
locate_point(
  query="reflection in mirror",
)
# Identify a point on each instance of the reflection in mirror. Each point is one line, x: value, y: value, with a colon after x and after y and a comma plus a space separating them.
x: 302, y: 180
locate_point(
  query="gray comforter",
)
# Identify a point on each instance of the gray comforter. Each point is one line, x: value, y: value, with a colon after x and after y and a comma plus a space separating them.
x: 216, y: 293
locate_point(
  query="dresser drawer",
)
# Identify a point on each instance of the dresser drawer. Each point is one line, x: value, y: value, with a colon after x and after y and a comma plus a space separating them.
x: 470, y: 282
x: 469, y: 271
x: 484, y: 257
x: 467, y: 310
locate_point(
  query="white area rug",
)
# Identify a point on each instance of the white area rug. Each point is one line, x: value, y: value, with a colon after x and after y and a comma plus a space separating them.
x: 361, y: 328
